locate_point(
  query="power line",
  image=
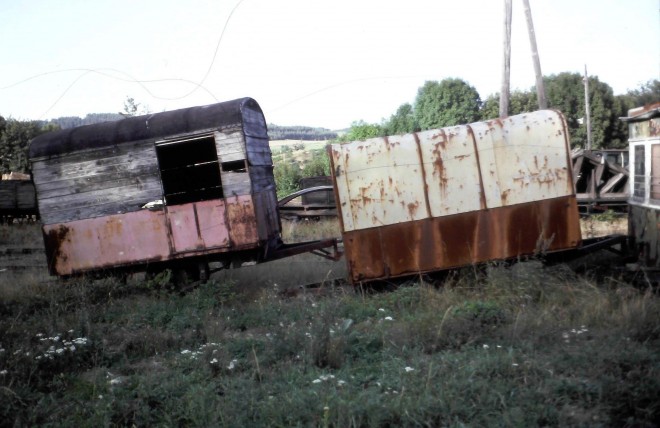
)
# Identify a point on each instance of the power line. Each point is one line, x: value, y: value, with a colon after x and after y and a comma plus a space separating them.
x: 142, y: 83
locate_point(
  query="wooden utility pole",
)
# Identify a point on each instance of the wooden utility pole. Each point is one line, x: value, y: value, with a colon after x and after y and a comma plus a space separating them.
x: 587, y: 108
x: 506, y: 69
x: 540, y: 88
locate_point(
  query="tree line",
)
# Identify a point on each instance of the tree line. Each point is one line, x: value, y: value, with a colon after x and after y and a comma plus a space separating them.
x: 438, y: 104
x: 454, y: 101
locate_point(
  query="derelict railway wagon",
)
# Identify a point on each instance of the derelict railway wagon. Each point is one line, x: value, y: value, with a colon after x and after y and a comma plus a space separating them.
x: 177, y: 188
x: 644, y: 202
x: 455, y: 196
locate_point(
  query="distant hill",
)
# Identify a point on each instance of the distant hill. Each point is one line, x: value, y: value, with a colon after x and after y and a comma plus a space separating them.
x: 275, y: 132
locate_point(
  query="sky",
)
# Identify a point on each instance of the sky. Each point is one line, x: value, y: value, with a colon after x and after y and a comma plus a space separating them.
x: 307, y: 62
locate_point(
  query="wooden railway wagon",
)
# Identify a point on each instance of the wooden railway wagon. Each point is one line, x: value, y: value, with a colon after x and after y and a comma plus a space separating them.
x: 173, y: 189
x: 17, y: 201
x: 644, y: 201
x: 455, y: 196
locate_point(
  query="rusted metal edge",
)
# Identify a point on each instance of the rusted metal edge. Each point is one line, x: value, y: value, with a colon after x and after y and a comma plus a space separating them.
x: 285, y: 200
x: 318, y: 248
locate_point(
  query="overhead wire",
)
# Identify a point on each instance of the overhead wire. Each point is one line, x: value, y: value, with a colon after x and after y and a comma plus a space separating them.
x: 142, y: 83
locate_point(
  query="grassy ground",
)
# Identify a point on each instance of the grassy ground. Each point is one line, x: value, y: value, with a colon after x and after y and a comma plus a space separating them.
x: 520, y: 345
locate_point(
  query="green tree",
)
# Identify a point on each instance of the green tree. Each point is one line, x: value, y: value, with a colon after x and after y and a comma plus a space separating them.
x: 319, y: 165
x: 287, y: 178
x: 402, y: 122
x: 361, y: 131
x: 647, y: 93
x: 565, y: 92
x: 446, y: 103
x: 133, y: 108
x: 519, y: 102
x: 14, y: 142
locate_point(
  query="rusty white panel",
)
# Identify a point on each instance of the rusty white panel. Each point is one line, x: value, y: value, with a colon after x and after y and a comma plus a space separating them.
x: 384, y: 182
x: 452, y: 171
x: 338, y: 162
x: 523, y: 158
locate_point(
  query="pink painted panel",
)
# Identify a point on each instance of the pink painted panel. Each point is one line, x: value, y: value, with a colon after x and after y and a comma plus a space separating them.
x: 198, y: 226
x: 105, y: 242
x: 185, y: 233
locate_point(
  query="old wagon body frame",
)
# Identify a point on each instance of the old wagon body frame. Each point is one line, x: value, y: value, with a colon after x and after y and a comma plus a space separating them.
x: 178, y: 188
x: 451, y: 197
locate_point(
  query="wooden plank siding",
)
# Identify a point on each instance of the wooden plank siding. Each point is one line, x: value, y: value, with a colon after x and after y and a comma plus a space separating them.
x: 97, y: 182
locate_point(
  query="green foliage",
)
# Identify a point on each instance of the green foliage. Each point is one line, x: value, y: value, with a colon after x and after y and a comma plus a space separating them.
x: 646, y: 93
x: 446, y: 103
x: 519, y: 102
x: 276, y: 132
x: 402, y: 122
x: 287, y: 178
x: 361, y: 131
x: 580, y: 354
x: 15, y: 139
x: 318, y: 165
x: 133, y: 108
x: 565, y: 92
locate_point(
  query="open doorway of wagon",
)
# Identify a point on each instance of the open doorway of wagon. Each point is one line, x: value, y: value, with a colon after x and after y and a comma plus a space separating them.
x: 192, y: 188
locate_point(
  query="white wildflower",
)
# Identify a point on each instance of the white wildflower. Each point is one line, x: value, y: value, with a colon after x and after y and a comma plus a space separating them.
x: 60, y: 350
x: 39, y: 335
x: 214, y: 361
x: 409, y: 369
x: 72, y: 348
x: 486, y: 346
x: 381, y: 310
x: 56, y: 339
x: 341, y: 382
x: 232, y: 364
x: 71, y: 331
x: 115, y: 381
x: 389, y: 319
x: 3, y: 372
x: 186, y: 351
x: 515, y: 364
x: 316, y: 381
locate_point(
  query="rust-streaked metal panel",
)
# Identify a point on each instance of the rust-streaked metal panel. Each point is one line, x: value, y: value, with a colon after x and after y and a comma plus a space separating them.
x: 451, y: 171
x: 384, y: 182
x: 477, y: 192
x: 462, y: 239
x: 105, y: 242
x: 242, y: 221
x: 198, y: 225
x: 524, y: 158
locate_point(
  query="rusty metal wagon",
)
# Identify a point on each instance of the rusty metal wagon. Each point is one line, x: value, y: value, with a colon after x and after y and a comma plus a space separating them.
x: 456, y: 196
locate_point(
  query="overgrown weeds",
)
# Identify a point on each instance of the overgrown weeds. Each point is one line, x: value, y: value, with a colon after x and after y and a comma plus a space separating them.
x: 520, y: 344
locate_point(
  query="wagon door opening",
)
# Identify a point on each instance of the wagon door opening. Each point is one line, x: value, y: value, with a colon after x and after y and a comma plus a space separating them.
x: 193, y: 193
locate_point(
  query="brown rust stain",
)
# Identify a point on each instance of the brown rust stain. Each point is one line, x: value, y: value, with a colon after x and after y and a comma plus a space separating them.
x: 242, y: 223
x: 462, y: 239
x: 412, y: 209
x: 53, y: 241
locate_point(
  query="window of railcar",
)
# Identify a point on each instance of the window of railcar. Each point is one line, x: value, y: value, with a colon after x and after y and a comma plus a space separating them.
x: 639, y: 184
x: 189, y: 170
x: 655, y: 172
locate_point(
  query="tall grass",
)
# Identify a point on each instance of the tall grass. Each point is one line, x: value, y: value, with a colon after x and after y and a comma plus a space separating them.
x: 521, y: 345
